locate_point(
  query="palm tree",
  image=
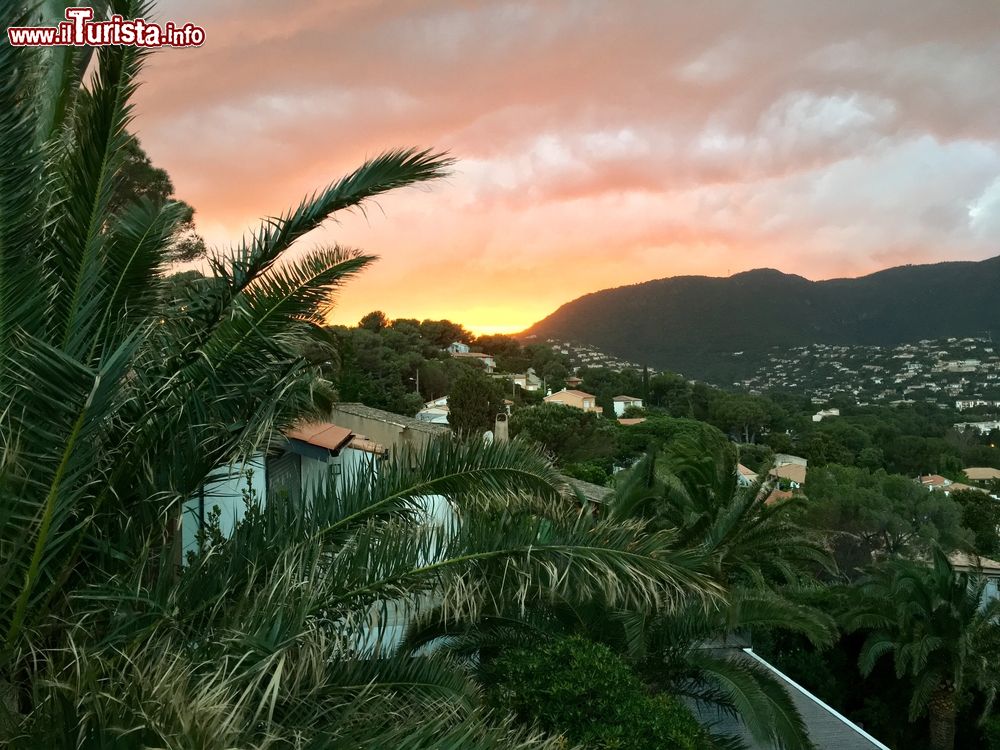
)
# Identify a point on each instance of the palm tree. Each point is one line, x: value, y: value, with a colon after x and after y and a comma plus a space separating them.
x: 687, y: 495
x: 123, y: 390
x: 119, y: 397
x: 754, y: 549
x: 940, y: 630
x: 285, y: 631
x: 691, y: 486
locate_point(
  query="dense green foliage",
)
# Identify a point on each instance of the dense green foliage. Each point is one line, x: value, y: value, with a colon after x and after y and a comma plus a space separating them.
x: 139, y: 179
x: 875, y: 513
x: 571, y: 434
x: 940, y: 631
x: 584, y: 692
x: 693, y: 323
x: 399, y: 365
x: 981, y: 516
x: 474, y: 402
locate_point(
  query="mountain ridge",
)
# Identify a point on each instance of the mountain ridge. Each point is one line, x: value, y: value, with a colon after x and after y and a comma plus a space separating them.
x: 693, y: 324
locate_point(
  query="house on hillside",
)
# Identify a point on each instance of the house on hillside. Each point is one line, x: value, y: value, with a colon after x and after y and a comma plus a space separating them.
x: 621, y: 403
x: 938, y: 483
x: 789, y: 470
x: 824, y: 413
x: 794, y: 475
x: 528, y: 381
x: 745, y: 476
x: 982, y: 474
x: 354, y: 443
x: 780, y: 459
x: 575, y: 399
x: 435, y: 411
x: 962, y: 562
x: 486, y: 360
x: 398, y: 433
x: 301, y: 462
x: 457, y: 347
x: 933, y: 481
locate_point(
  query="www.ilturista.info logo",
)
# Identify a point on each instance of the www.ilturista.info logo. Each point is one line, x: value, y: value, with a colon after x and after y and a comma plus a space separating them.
x: 79, y: 29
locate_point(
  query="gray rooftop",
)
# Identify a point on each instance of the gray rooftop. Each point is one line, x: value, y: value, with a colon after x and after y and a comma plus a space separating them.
x: 409, y: 423
x: 594, y: 493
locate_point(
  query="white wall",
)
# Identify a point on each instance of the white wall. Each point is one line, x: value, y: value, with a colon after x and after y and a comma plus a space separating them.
x: 225, y: 490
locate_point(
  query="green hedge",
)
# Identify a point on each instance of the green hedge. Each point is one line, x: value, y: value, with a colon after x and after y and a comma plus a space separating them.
x: 584, y: 692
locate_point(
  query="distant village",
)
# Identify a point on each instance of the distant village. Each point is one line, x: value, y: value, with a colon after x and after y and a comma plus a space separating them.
x: 963, y: 374
x: 583, y: 355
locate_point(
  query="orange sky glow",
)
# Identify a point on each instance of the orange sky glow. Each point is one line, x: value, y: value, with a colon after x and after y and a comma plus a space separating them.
x: 597, y: 144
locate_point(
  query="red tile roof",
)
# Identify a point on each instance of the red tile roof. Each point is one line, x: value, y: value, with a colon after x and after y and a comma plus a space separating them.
x: 322, y: 434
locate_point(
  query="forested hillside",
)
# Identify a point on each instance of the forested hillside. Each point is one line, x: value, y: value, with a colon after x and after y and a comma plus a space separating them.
x: 693, y: 324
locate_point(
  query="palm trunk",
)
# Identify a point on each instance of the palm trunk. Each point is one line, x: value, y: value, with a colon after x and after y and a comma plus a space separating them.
x: 942, y: 709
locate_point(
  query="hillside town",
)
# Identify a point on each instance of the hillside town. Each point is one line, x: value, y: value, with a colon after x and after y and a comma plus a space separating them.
x: 587, y: 355
x: 963, y: 374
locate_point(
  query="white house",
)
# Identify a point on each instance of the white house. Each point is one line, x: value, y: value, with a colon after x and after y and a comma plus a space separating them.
x: 457, y: 347
x: 303, y: 462
x: 745, y: 476
x: 528, y: 381
x: 989, y: 569
x: 435, y: 411
x: 305, y: 459
x: 822, y: 413
x: 983, y: 428
x: 621, y: 403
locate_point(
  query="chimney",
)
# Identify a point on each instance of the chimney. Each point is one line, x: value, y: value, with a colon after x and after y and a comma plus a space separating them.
x: 500, y: 432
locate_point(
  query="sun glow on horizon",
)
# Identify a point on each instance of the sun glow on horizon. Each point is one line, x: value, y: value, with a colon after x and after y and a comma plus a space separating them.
x: 487, y: 330
x: 478, y: 322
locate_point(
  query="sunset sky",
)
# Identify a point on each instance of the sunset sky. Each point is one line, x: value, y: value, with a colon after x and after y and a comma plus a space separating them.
x: 599, y: 143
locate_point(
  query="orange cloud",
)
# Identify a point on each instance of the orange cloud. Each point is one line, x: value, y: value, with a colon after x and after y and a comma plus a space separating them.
x: 598, y: 144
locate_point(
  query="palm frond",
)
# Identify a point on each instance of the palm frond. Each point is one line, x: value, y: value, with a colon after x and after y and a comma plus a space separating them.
x: 758, y: 699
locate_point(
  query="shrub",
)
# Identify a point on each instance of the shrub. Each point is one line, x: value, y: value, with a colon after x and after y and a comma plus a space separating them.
x: 588, y: 471
x: 587, y: 694
x: 991, y: 732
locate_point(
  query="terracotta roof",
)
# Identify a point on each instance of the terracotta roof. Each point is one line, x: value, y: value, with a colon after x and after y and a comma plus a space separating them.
x: 626, y: 398
x: 477, y: 355
x: 578, y: 394
x: 745, y: 471
x: 322, y: 434
x: 361, y: 443
x: 629, y: 421
x: 933, y: 480
x: 982, y: 473
x: 777, y: 496
x: 791, y: 472
x: 963, y: 560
